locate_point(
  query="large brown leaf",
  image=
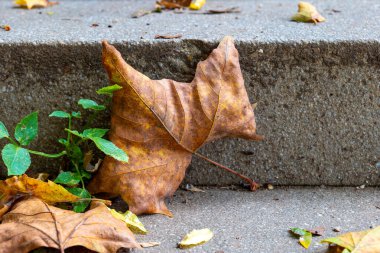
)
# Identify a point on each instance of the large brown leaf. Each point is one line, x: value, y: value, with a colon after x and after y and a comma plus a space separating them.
x: 32, y: 224
x: 161, y: 123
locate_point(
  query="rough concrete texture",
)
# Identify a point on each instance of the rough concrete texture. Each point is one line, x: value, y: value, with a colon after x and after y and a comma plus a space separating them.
x: 317, y: 86
x: 259, y: 222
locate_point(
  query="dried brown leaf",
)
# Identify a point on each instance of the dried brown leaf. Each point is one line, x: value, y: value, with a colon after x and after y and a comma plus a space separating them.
x: 174, y: 4
x: 175, y: 36
x: 162, y: 123
x: 32, y: 224
x: 6, y: 27
x: 223, y: 11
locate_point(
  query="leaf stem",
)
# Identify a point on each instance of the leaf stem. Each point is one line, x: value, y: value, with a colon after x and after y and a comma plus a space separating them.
x: 47, y: 155
x: 253, y: 185
x: 13, y: 141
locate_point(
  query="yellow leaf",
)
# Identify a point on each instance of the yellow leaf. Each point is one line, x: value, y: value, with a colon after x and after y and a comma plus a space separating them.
x: 29, y: 4
x: 132, y: 221
x: 195, y: 238
x: 367, y: 241
x: 307, y: 13
x: 49, y: 191
x: 197, y: 4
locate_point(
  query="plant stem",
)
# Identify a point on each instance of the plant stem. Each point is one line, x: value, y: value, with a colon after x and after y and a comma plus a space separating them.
x: 68, y: 133
x: 253, y: 184
x: 47, y: 155
x: 91, y: 119
x: 81, y: 178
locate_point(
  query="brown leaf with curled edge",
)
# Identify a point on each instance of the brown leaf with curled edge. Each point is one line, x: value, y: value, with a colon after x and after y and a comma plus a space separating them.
x: 162, y: 123
x: 32, y: 224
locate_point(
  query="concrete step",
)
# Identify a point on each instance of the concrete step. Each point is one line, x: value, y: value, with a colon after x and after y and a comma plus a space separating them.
x: 258, y: 222
x: 317, y: 86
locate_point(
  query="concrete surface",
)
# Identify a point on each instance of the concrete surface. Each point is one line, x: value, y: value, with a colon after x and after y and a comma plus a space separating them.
x: 317, y: 86
x: 258, y: 222
x: 261, y: 20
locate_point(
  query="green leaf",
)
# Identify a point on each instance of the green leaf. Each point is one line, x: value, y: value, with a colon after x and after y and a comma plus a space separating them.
x: 17, y: 159
x: 108, y: 90
x: 62, y: 141
x: 27, y: 129
x: 75, y: 153
x: 94, y: 132
x: 305, y: 236
x: 68, y: 178
x: 90, y: 104
x: 110, y: 149
x: 60, y: 114
x: 74, y: 132
x: 85, y: 174
x: 81, y: 205
x: 76, y: 115
x: 299, y: 231
x: 3, y: 131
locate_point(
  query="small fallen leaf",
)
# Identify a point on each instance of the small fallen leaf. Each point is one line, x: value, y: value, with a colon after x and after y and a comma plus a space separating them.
x: 197, y: 4
x: 33, y: 224
x: 222, y: 11
x: 192, y: 188
x: 94, y: 25
x: 367, y: 241
x: 176, y: 36
x: 29, y: 4
x: 195, y: 238
x: 23, y: 186
x: 336, y: 229
x: 307, y: 13
x: 140, y: 13
x: 149, y: 244
x: 319, y: 231
x: 305, y: 237
x: 132, y: 221
x: 174, y: 4
x: 6, y: 27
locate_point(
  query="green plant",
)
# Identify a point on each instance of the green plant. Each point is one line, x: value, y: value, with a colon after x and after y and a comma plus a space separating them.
x: 16, y: 155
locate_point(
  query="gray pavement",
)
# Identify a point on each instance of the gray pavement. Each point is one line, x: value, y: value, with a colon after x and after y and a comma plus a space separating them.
x: 317, y: 86
x: 258, y: 222
x: 262, y: 21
